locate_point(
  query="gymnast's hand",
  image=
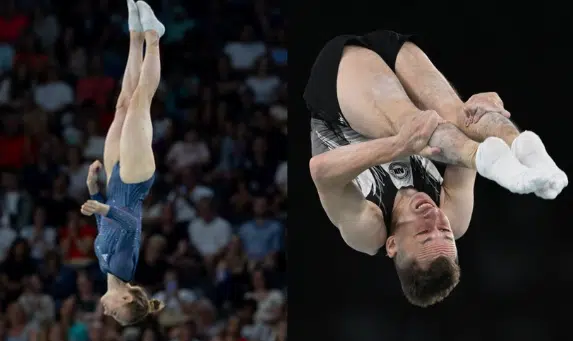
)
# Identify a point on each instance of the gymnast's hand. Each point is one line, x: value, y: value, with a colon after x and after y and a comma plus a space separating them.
x: 480, y: 104
x: 415, y: 133
x: 91, y: 181
x: 92, y: 206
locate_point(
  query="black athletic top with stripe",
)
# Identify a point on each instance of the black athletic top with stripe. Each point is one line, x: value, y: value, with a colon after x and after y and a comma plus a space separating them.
x: 329, y: 128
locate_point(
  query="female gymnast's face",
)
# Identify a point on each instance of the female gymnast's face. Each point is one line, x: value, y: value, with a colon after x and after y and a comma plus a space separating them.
x: 422, y: 230
x: 115, y: 304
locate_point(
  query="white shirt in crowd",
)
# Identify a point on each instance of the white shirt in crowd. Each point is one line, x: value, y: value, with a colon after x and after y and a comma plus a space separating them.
x: 184, y: 211
x: 184, y: 154
x: 94, y: 147
x: 53, y: 96
x: 171, y: 303
x: 264, y: 88
x: 243, y: 55
x: 209, y: 238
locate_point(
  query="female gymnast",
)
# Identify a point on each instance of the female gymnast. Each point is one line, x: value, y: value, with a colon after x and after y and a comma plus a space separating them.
x: 128, y: 143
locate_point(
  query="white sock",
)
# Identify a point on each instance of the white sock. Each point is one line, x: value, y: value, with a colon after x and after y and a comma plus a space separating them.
x: 530, y: 151
x: 495, y: 161
x: 149, y: 21
x: 133, y: 17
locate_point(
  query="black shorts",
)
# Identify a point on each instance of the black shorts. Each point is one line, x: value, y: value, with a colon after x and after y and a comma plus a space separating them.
x: 320, y: 92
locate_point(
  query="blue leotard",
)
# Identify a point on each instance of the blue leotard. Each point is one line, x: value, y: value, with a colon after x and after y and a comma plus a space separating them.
x: 119, y: 233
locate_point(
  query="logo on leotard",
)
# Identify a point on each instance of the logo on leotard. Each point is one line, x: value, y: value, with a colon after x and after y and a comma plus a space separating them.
x: 342, y: 120
x: 399, y: 170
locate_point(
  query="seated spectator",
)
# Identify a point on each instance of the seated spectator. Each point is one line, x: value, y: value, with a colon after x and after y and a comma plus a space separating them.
x: 245, y: 52
x: 96, y: 86
x: 178, y: 301
x: 15, y: 268
x: 76, y: 241
x: 262, y: 236
x: 251, y: 329
x: 186, y: 195
x: 53, y: 94
x: 269, y: 301
x: 58, y: 280
x: 152, y: 210
x: 191, y: 152
x: 39, y: 307
x: 209, y: 233
x: 86, y: 299
x: 77, y: 170
x: 18, y: 327
x: 46, y: 27
x: 58, y: 202
x: 263, y: 84
x: 227, y: 80
x: 174, y: 235
x: 94, y: 141
x: 152, y: 265
x: 40, y: 236
x: 260, y: 167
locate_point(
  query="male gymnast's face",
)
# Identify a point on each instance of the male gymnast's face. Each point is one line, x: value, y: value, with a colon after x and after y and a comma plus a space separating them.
x: 421, y: 230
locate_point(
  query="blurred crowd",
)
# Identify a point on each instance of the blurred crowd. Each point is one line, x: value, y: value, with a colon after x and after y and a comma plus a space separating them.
x: 214, y: 223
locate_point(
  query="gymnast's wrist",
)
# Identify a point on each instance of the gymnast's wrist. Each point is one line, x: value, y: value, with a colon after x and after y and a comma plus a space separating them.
x: 93, y: 189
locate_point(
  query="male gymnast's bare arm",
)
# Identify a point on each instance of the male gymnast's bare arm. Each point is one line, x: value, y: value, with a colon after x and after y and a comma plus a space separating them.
x: 361, y: 222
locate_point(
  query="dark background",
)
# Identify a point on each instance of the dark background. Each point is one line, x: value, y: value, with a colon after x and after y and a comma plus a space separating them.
x: 516, y: 257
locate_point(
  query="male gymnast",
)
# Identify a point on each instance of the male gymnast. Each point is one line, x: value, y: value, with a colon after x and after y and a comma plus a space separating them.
x: 130, y: 168
x: 380, y: 110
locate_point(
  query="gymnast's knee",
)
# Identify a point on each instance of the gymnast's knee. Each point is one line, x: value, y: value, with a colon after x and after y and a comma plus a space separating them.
x: 139, y: 101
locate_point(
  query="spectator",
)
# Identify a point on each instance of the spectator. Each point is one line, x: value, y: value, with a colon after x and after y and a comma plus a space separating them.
x: 17, y: 265
x: 209, y: 233
x: 263, y: 85
x: 245, y: 52
x: 152, y: 266
x: 191, y: 152
x: 96, y: 86
x: 59, y: 203
x: 185, y: 196
x: 38, y: 307
x: 94, y: 142
x: 178, y: 301
x: 86, y: 300
x: 46, y: 27
x: 40, y: 237
x: 76, y: 170
x: 76, y: 241
x: 269, y: 301
x: 18, y: 328
x: 261, y: 236
x: 53, y: 94
x: 58, y: 279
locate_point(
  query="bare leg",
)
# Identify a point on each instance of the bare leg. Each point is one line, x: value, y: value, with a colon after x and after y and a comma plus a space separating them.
x: 375, y: 104
x: 130, y: 79
x: 136, y: 154
x: 430, y: 90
